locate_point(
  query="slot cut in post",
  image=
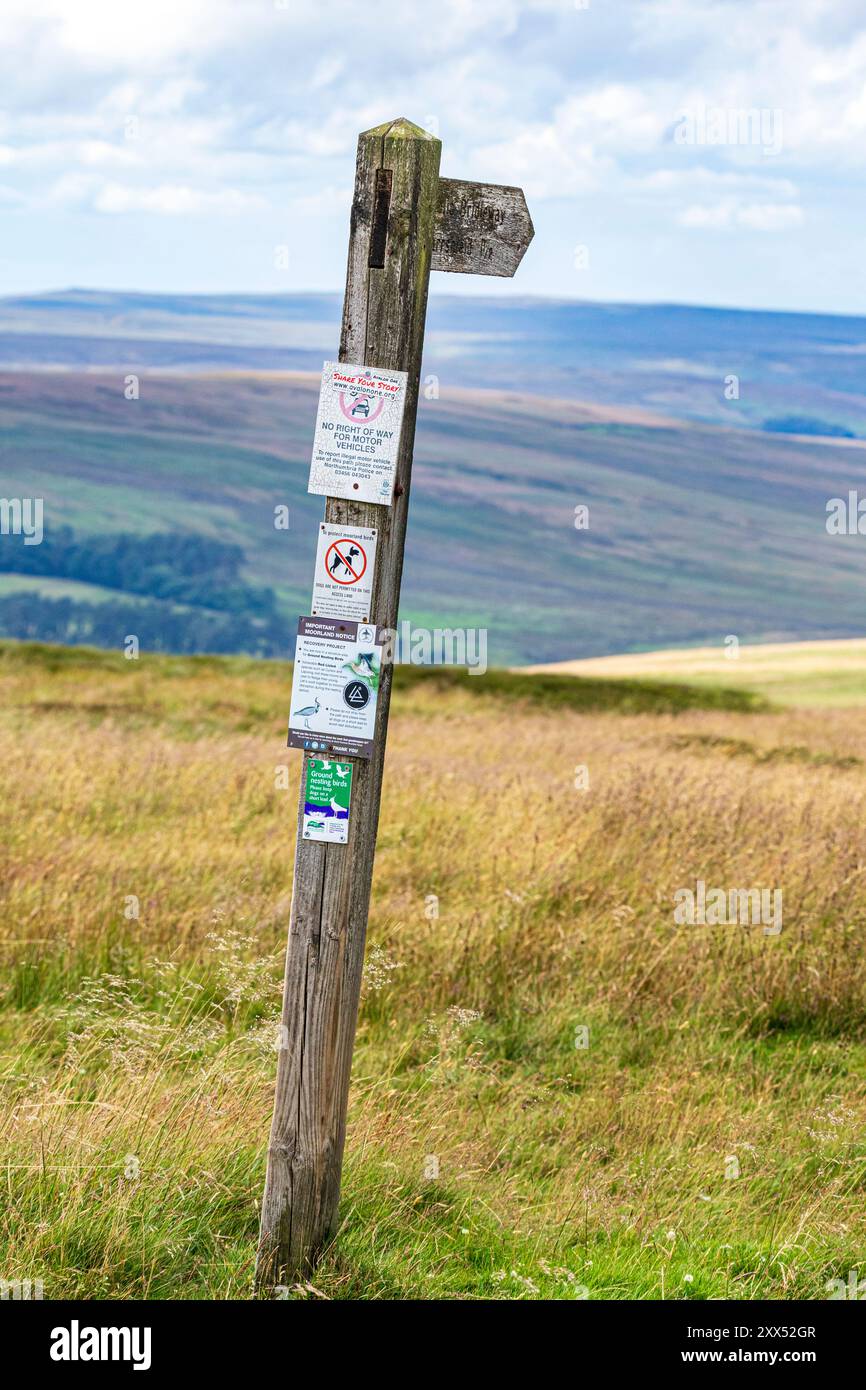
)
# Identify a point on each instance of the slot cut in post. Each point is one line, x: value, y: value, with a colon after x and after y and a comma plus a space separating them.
x: 379, y: 229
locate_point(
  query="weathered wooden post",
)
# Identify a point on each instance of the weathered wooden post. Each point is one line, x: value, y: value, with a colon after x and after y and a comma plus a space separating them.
x: 405, y: 221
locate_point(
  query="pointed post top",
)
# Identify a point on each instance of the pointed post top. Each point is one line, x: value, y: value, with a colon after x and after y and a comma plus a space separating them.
x: 401, y: 129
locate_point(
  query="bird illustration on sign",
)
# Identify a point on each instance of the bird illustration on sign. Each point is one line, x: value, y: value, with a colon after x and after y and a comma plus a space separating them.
x: 308, y: 712
x: 365, y: 667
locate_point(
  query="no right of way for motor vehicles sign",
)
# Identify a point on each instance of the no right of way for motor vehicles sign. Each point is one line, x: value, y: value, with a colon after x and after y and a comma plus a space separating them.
x: 358, y: 426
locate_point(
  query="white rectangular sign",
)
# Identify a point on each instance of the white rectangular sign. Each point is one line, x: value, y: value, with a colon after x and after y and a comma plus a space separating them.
x: 358, y: 432
x: 343, y: 584
x: 335, y: 686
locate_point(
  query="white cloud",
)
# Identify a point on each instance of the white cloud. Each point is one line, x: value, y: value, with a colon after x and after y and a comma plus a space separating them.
x: 122, y: 33
x: 570, y: 153
x: 326, y: 71
x: 247, y: 107
x: 769, y: 217
x: 721, y: 181
x: 243, y: 78
x: 173, y: 200
x: 325, y: 201
x: 732, y: 212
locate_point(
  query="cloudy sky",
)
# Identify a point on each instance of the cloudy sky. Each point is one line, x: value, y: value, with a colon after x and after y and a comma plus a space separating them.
x: 178, y: 145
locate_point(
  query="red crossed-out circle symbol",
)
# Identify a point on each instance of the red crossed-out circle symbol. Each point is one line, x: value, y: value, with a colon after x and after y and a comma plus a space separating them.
x: 361, y: 408
x: 345, y: 561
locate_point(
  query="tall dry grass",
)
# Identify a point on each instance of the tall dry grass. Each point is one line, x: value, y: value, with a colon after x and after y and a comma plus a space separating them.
x: 510, y: 910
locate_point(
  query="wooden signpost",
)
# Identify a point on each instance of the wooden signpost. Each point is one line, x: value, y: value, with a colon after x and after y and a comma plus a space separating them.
x: 405, y: 221
x: 481, y: 228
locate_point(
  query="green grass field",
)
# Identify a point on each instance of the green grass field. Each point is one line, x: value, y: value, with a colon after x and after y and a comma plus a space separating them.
x: 829, y: 673
x: 706, y: 1143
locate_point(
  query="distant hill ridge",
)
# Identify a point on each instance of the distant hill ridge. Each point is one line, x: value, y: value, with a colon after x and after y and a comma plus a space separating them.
x: 695, y: 531
x: 790, y: 372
